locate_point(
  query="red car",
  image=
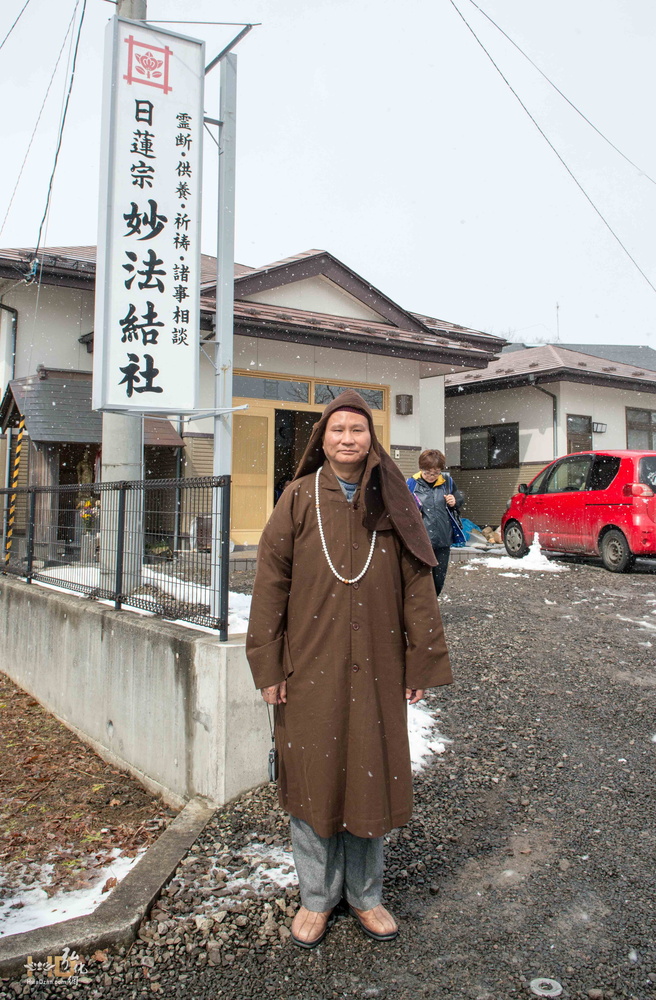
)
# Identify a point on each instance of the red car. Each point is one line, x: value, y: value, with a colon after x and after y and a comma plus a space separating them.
x: 596, y: 503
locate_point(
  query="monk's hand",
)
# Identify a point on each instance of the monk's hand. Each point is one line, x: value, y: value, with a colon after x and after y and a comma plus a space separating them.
x: 414, y: 695
x: 275, y: 695
x: 450, y: 499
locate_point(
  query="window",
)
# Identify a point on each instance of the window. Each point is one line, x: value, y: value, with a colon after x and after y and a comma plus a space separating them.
x: 641, y: 429
x: 579, y: 432
x: 570, y: 475
x: 604, y: 470
x: 493, y: 447
x: 255, y: 387
x: 537, y: 486
x: 648, y: 471
x: 324, y: 393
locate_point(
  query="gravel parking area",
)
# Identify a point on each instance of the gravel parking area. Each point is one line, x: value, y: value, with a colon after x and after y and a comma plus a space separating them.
x: 531, y: 851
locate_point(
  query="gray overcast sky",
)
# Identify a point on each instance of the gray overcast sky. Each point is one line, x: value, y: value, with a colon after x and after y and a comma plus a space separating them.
x: 381, y: 132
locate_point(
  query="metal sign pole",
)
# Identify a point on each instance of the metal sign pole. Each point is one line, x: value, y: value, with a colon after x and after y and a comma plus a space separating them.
x: 225, y: 292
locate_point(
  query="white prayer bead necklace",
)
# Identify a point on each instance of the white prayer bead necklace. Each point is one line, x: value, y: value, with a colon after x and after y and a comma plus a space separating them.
x: 342, y: 579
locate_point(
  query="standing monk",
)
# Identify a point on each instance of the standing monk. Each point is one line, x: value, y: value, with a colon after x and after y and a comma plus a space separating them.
x: 344, y: 630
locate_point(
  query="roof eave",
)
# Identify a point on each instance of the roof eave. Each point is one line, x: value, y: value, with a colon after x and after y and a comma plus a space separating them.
x: 355, y: 342
x: 556, y: 375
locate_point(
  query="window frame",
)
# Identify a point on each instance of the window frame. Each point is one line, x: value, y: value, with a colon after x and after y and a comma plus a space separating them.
x: 569, y: 460
x: 578, y: 416
x: 651, y: 427
x: 513, y: 463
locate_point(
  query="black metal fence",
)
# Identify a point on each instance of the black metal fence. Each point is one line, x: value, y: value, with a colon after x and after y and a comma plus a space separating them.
x: 159, y: 545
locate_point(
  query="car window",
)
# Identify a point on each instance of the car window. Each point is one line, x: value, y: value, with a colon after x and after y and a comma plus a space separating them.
x: 647, y: 471
x: 537, y: 486
x: 570, y: 475
x: 604, y: 470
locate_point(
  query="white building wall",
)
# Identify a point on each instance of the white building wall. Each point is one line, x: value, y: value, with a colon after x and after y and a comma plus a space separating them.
x: 431, y: 409
x: 527, y: 406
x: 50, y: 335
x: 532, y: 409
x: 607, y: 406
x: 318, y: 294
x: 277, y: 357
x: 6, y: 348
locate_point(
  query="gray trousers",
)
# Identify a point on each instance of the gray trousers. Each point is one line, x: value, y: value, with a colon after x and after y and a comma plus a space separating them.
x: 331, y: 867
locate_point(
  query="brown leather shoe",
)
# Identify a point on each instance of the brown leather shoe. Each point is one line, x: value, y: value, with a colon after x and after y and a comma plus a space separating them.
x: 309, y: 928
x: 378, y: 923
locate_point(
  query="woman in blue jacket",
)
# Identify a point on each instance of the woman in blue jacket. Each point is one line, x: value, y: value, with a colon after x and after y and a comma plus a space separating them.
x: 434, y: 492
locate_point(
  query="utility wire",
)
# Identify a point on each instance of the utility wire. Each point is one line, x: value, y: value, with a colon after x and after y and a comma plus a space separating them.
x: 61, y: 133
x: 564, y: 96
x: 27, y: 152
x: 553, y: 148
x: 14, y: 24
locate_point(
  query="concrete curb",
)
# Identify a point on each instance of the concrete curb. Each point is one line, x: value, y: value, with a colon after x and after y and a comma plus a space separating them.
x: 116, y: 919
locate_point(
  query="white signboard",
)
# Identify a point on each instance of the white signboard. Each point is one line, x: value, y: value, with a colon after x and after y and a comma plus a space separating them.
x: 146, y: 337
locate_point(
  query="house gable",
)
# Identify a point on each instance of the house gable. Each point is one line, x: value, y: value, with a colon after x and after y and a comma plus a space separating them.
x: 317, y: 294
x: 313, y: 264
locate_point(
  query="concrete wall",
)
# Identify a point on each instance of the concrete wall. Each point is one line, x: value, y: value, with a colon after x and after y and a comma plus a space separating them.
x: 173, y: 706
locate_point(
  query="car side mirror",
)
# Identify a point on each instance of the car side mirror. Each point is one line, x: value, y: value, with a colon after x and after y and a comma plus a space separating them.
x: 522, y: 488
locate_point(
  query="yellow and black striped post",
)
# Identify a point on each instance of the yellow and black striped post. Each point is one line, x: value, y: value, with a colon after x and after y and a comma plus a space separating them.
x: 14, y: 486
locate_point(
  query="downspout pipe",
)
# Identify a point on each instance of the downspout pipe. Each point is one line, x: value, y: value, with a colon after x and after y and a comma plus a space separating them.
x: 554, y: 401
x: 14, y: 336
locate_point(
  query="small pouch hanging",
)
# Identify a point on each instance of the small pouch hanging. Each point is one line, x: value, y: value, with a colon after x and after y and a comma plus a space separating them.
x: 273, y: 753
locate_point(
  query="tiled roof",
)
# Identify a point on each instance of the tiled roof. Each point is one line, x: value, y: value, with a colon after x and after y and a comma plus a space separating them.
x: 304, y: 255
x: 547, y: 359
x: 638, y: 355
x: 57, y: 407
x: 425, y: 338
x: 75, y: 259
x: 442, y: 326
x: 286, y: 318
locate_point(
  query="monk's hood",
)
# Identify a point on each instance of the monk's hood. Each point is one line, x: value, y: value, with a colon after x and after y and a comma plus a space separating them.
x: 386, y: 500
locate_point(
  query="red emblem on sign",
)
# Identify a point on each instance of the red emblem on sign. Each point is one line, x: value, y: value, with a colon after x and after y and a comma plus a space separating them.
x: 148, y: 64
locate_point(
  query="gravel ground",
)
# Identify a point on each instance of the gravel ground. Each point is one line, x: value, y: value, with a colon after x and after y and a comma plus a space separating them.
x: 531, y: 851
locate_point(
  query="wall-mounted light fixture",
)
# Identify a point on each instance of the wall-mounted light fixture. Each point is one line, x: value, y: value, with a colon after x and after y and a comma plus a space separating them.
x: 599, y: 428
x: 404, y: 404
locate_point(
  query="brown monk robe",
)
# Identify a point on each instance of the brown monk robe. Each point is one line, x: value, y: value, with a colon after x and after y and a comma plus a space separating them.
x: 337, y: 657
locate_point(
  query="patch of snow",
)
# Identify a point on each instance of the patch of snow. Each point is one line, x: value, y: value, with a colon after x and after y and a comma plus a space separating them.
x: 533, y: 560
x: 269, y: 865
x: 468, y: 566
x: 26, y: 909
x: 423, y: 736
x: 641, y: 624
x: 182, y: 590
x: 519, y: 576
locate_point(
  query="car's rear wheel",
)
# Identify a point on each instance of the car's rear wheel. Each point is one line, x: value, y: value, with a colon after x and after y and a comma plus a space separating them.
x: 615, y: 552
x: 513, y: 539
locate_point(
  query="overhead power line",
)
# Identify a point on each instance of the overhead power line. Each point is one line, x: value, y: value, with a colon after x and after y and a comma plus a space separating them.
x: 553, y: 148
x: 14, y: 24
x: 564, y: 96
x: 61, y: 127
x: 27, y: 151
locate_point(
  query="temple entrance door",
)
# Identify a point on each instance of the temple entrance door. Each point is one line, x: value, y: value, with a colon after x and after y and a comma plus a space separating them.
x: 252, y: 471
x: 292, y: 433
